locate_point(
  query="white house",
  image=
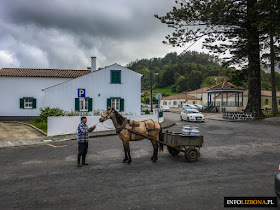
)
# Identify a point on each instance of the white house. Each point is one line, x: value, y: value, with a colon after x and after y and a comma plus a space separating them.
x: 202, y: 94
x: 114, y: 86
x: 175, y: 101
x: 24, y: 91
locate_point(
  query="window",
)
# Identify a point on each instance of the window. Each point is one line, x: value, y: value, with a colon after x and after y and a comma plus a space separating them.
x: 27, y: 103
x: 193, y: 102
x: 266, y: 101
x: 83, y: 104
x: 116, y: 103
x: 115, y: 77
x: 165, y: 103
x: 174, y: 102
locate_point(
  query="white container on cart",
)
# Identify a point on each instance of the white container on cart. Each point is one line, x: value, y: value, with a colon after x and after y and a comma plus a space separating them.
x: 194, y: 131
x: 186, y: 130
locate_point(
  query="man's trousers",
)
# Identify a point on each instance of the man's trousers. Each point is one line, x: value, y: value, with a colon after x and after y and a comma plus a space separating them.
x: 82, y: 148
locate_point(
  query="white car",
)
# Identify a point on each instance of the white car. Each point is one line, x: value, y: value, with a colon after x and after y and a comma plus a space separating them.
x: 198, y: 107
x: 189, y: 106
x: 192, y: 115
x: 165, y: 108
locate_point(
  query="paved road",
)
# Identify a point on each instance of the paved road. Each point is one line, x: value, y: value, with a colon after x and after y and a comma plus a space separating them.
x: 237, y: 159
x: 17, y: 131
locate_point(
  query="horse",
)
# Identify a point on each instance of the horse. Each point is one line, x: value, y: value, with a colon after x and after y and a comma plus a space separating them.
x: 123, y: 126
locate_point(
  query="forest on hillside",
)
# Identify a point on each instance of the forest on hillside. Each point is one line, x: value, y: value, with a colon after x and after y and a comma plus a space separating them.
x: 192, y: 70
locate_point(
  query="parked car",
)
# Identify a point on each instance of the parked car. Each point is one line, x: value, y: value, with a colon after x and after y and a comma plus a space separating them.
x: 145, y: 105
x: 165, y: 108
x: 198, y: 107
x: 188, y: 106
x: 277, y: 183
x: 192, y: 115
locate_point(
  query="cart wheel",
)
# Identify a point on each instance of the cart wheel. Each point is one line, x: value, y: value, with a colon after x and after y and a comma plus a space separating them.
x: 173, y: 151
x: 191, y: 155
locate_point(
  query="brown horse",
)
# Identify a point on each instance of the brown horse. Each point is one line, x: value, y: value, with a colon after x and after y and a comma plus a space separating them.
x: 122, y: 125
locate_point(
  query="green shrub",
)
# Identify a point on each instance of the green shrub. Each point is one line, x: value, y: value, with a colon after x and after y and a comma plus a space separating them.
x: 147, y: 111
x: 97, y: 112
x: 48, y: 112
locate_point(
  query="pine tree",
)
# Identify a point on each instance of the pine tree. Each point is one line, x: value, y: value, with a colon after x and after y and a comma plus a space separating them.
x: 227, y: 26
x: 270, y: 31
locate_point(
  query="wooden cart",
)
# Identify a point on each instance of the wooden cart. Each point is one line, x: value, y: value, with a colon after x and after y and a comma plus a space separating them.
x: 178, y: 142
x: 189, y: 144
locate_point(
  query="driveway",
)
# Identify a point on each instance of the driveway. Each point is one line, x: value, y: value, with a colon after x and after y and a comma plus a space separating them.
x: 17, y: 131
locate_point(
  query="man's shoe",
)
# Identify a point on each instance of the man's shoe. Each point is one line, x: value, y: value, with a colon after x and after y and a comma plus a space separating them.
x: 85, y: 164
x: 79, y: 165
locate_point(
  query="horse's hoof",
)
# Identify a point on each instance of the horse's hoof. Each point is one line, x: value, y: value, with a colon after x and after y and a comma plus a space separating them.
x: 154, y: 160
x: 124, y: 160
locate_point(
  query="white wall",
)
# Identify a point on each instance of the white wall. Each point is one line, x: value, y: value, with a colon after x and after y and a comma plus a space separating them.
x: 14, y: 88
x: 198, y: 95
x: 96, y: 83
x: 69, y: 124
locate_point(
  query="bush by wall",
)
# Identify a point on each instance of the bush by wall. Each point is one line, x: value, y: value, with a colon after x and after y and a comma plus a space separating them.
x: 47, y: 112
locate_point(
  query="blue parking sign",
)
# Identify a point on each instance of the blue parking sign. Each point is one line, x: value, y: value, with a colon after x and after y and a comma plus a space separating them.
x: 81, y: 93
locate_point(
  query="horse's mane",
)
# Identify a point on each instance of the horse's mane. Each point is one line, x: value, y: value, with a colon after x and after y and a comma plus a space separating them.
x: 119, y: 117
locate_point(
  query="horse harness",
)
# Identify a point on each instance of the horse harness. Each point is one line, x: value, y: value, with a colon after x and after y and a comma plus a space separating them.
x: 133, y: 125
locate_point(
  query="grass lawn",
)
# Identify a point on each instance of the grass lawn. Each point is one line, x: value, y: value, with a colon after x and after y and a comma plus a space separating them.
x: 40, y: 125
x: 271, y: 115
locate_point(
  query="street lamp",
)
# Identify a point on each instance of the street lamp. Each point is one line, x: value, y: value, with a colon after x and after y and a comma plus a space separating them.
x: 151, y: 89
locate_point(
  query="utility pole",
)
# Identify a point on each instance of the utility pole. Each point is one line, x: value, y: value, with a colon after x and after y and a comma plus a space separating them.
x: 151, y: 96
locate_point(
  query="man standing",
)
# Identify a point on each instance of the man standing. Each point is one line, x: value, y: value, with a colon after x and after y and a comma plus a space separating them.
x: 83, y: 130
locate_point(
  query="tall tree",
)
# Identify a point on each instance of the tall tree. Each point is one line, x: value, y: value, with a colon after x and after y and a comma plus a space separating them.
x: 227, y: 26
x: 269, y: 17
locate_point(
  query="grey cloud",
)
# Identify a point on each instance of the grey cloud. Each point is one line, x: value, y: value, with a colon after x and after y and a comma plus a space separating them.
x: 64, y: 34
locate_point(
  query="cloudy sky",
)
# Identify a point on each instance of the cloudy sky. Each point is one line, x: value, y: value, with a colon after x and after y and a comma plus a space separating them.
x: 66, y: 33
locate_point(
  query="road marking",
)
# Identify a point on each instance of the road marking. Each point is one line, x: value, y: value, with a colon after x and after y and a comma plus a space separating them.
x: 56, y: 146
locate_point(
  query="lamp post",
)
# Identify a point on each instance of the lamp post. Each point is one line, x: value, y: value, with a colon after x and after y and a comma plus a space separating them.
x: 151, y: 89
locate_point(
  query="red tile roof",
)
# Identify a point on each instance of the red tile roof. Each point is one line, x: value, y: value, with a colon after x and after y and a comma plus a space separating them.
x: 203, y: 90
x: 225, y: 85
x: 26, y: 72
x: 264, y: 93
x: 181, y: 96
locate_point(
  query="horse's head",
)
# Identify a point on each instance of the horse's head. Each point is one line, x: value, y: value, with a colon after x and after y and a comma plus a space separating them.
x: 107, y: 114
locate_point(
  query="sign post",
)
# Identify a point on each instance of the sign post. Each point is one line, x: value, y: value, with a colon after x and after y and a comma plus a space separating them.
x: 158, y: 97
x: 81, y: 94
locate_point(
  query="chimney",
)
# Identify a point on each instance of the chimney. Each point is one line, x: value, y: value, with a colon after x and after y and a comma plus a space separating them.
x: 93, y: 63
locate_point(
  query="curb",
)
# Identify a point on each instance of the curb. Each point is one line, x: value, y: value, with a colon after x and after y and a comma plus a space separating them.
x: 221, y: 119
x: 17, y: 143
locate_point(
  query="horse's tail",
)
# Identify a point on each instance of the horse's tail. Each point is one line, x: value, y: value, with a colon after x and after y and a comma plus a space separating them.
x: 161, y: 139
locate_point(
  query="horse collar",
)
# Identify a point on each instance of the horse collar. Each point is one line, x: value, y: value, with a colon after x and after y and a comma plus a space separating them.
x: 119, y: 129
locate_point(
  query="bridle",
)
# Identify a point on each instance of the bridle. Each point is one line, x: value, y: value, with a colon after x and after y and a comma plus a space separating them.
x: 108, y: 114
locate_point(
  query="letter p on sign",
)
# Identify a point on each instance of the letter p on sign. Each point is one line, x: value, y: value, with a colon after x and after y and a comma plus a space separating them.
x: 81, y: 93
